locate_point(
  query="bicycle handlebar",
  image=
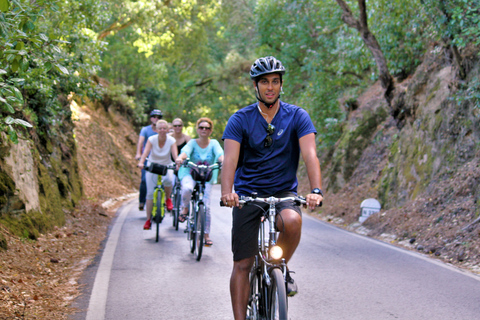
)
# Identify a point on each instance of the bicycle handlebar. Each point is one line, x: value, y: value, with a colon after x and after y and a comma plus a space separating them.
x: 244, y: 200
x: 160, y: 169
x: 188, y: 163
x: 297, y: 200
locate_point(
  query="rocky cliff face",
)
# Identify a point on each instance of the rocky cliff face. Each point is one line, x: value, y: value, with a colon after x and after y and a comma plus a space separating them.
x: 39, y: 180
x: 423, y: 165
x: 44, y: 176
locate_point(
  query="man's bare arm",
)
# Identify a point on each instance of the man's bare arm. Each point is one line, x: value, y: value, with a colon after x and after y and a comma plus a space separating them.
x: 309, y: 155
x: 140, y: 142
x: 230, y: 160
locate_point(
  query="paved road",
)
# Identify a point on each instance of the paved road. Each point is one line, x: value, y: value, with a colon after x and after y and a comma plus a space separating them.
x: 340, y: 276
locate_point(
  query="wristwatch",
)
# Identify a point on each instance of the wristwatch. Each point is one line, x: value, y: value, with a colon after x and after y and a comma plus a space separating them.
x: 317, y: 191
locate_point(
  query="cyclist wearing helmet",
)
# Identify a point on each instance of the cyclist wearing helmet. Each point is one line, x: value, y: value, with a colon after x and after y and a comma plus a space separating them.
x: 263, y: 143
x: 146, y: 133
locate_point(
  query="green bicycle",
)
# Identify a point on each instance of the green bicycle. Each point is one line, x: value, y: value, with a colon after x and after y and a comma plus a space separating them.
x: 158, y: 211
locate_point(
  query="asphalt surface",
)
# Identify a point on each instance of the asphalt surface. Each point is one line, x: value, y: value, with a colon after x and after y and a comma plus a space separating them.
x: 340, y: 276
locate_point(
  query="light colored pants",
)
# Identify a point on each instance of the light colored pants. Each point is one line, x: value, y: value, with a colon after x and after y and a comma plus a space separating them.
x: 151, y: 179
x: 187, y: 188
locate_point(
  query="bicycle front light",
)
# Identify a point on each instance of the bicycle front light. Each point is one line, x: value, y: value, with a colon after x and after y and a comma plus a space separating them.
x: 276, y: 252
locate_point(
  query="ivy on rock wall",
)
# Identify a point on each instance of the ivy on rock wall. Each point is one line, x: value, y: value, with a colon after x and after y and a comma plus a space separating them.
x: 48, y: 52
x: 54, y: 188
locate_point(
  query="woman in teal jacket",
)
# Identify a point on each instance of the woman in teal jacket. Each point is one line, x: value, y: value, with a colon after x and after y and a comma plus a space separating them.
x: 202, y: 150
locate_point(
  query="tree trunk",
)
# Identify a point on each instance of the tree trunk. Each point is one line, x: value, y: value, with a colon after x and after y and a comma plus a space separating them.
x: 369, y: 39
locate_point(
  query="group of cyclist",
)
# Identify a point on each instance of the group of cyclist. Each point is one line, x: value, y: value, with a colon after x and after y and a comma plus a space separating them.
x: 166, y: 148
x: 263, y: 143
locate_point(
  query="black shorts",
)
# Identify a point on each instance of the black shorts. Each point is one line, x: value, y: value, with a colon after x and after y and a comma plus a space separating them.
x: 245, y: 224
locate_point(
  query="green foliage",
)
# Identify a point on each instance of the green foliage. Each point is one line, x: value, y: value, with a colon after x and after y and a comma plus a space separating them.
x: 324, y: 59
x: 122, y: 98
x: 191, y: 58
x: 469, y: 92
x: 401, y: 29
x: 455, y: 21
x: 11, y: 97
x: 181, y: 61
x: 43, y: 57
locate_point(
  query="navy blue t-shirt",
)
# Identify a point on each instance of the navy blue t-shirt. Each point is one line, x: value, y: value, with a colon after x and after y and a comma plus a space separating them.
x: 268, y: 170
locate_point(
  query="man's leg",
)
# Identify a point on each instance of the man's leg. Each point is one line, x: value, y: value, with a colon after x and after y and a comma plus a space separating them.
x: 289, y: 223
x: 240, y: 287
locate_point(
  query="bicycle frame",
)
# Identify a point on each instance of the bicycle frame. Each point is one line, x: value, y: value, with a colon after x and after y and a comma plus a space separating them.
x: 268, y: 299
x: 158, y: 210
x: 158, y: 207
x: 197, y: 213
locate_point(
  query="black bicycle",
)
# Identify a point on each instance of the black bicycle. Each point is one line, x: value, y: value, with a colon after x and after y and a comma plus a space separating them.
x: 177, y: 201
x: 268, y: 293
x: 201, y: 174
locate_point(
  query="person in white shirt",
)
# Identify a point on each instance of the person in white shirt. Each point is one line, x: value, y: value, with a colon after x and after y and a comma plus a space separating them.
x: 160, y: 149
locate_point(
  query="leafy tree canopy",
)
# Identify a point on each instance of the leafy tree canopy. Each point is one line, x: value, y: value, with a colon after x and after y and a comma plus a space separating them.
x: 191, y: 58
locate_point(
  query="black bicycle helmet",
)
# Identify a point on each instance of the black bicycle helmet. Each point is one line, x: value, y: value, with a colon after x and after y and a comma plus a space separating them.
x: 156, y: 112
x: 266, y: 65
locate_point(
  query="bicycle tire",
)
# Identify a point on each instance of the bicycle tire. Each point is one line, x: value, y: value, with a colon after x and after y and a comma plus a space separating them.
x: 173, y: 210
x: 277, y: 296
x: 200, y: 231
x: 160, y: 211
x: 177, y: 202
x: 254, y: 307
x: 191, y: 226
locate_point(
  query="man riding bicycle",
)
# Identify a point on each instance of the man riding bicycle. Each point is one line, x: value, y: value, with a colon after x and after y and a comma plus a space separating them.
x: 262, y: 144
x: 146, y: 133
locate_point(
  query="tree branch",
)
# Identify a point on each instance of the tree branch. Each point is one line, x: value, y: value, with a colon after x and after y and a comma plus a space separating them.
x: 347, y: 15
x: 371, y: 42
x: 116, y: 26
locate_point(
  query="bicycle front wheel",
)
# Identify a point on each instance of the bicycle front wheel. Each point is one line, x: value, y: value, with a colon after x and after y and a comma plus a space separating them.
x: 160, y: 211
x: 277, y: 296
x: 191, y: 226
x: 199, y: 231
x: 177, y: 198
x: 254, y: 308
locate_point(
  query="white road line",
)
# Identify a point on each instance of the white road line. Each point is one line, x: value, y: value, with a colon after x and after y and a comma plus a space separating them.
x: 98, y: 298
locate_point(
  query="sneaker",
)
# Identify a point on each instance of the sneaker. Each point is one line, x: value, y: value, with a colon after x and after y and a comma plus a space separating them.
x: 292, y: 288
x: 147, y: 225
x: 141, y: 206
x: 169, y: 204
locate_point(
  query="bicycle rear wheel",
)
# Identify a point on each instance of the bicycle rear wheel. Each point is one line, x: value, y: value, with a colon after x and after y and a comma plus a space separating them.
x: 277, y: 296
x: 199, y: 231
